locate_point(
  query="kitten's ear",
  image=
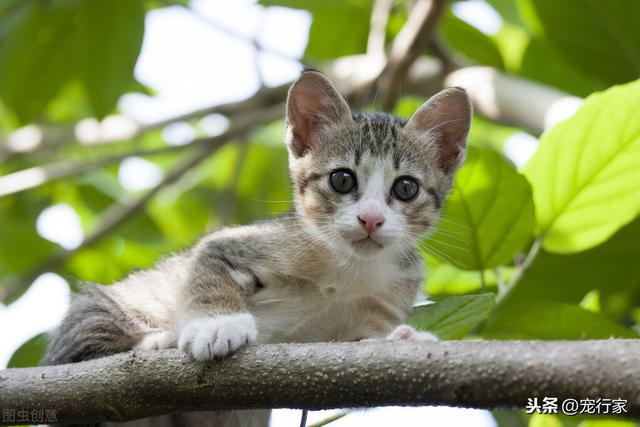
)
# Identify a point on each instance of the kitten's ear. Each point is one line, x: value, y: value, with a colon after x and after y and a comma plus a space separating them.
x: 444, y: 122
x: 313, y: 102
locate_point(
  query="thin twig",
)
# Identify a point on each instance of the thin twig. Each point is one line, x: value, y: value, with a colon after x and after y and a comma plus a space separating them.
x: 329, y: 420
x: 521, y: 269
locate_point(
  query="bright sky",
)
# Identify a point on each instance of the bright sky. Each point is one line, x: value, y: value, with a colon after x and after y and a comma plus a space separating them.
x: 190, y: 64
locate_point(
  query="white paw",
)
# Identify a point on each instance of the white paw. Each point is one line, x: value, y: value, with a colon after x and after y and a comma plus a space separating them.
x: 157, y: 341
x: 217, y: 336
x: 407, y: 333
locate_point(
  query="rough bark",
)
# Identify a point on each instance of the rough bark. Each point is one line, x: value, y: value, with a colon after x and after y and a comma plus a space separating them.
x: 479, y: 374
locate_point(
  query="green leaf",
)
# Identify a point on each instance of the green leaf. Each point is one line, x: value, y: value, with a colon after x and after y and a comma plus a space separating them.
x: 470, y: 41
x: 508, y: 10
x: 339, y: 27
x: 107, y: 57
x: 542, y: 62
x: 453, y: 317
x: 585, y: 173
x: 488, y: 217
x: 30, y: 353
x: 612, y: 268
x: 36, y: 54
x: 45, y: 45
x: 601, y: 37
x: 550, y: 320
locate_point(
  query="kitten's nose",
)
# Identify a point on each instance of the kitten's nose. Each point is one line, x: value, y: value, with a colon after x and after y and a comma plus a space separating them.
x: 371, y: 221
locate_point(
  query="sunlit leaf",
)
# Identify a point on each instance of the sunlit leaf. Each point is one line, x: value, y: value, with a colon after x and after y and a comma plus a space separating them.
x: 585, y: 174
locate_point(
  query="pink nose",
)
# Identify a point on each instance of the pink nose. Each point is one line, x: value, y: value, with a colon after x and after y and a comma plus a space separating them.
x: 371, y: 221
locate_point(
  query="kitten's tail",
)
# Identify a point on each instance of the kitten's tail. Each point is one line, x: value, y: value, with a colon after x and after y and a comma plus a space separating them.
x: 94, y: 326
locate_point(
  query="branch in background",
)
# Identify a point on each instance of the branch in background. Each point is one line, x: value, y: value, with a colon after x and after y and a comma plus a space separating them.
x: 118, y: 214
x: 514, y: 100
x: 378, y: 27
x: 477, y: 374
x: 38, y: 175
x: 449, y: 64
x: 407, y: 46
x: 120, y: 128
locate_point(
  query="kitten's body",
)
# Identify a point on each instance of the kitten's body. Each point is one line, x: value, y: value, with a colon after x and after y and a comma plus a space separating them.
x: 342, y: 267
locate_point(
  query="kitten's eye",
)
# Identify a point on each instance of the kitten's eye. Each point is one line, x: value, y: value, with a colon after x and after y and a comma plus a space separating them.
x: 342, y: 180
x: 405, y: 188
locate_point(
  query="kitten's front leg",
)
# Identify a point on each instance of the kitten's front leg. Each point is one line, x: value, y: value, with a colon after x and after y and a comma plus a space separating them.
x: 214, y: 320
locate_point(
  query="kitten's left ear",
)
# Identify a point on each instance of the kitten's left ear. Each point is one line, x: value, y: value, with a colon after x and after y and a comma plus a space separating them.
x: 313, y: 103
x: 444, y: 122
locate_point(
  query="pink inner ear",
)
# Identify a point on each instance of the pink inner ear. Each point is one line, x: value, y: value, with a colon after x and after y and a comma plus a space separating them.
x: 303, y: 116
x: 313, y: 102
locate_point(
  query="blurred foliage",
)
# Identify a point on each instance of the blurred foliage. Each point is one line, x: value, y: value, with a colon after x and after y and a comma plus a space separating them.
x: 30, y: 353
x: 548, y: 251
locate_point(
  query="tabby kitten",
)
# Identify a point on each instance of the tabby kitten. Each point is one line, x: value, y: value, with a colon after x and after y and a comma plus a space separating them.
x: 342, y: 267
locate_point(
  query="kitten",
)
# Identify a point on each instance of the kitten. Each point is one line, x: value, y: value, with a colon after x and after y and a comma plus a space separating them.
x: 342, y: 267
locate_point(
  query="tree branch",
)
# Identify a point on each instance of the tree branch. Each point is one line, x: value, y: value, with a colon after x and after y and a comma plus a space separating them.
x: 407, y: 46
x: 479, y: 374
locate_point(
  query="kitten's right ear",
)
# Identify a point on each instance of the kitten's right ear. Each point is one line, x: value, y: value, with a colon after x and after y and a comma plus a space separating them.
x: 313, y: 103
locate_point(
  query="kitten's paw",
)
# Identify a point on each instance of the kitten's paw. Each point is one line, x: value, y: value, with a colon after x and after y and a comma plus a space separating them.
x: 157, y: 341
x: 407, y: 333
x: 217, y: 336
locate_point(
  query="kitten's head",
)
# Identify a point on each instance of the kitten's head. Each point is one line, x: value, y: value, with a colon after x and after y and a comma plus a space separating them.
x: 367, y: 183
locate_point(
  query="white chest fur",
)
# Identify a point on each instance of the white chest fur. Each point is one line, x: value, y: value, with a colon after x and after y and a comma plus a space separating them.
x: 322, y: 310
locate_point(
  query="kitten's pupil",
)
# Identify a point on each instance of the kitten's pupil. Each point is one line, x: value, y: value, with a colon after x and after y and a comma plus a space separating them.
x: 405, y: 188
x: 342, y: 181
